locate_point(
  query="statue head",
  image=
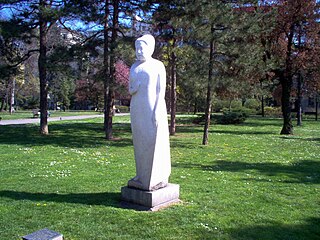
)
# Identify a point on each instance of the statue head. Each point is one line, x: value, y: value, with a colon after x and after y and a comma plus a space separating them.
x: 144, y: 47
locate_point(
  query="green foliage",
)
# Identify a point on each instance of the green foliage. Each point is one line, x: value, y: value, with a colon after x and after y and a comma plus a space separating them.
x: 249, y: 183
x: 252, y: 104
x: 246, y: 111
x: 227, y: 117
x: 225, y: 105
x: 29, y: 103
x: 273, y: 111
x: 191, y: 81
x: 231, y: 117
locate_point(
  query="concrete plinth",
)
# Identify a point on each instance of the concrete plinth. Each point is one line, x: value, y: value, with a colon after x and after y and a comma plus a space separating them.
x: 44, y: 234
x: 150, y: 200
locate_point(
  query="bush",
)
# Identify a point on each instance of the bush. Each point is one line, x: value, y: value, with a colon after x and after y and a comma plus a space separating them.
x: 217, y: 105
x: 232, y: 117
x: 236, y: 104
x: 273, y: 111
x: 252, y: 104
x: 226, y: 118
x: 246, y: 111
x: 220, y: 105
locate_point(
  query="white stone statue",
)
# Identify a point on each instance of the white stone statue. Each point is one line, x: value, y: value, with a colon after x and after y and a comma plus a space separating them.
x: 149, y: 121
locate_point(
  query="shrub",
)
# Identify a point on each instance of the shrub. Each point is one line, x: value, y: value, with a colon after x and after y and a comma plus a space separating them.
x: 236, y: 104
x: 252, y: 104
x: 272, y: 111
x: 226, y: 118
x: 231, y: 117
x: 220, y: 105
x: 246, y: 111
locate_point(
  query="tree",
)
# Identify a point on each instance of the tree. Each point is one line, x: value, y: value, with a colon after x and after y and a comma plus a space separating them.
x: 105, y: 15
x: 110, y: 73
x: 294, y: 20
x: 42, y: 65
x: 122, y: 79
x: 165, y: 19
x: 207, y: 23
x: 279, y: 39
x: 35, y: 18
x: 11, y: 67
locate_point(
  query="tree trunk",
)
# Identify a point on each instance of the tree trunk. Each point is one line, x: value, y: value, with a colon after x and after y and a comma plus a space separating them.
x: 262, y: 106
x: 43, y: 72
x: 110, y: 97
x: 317, y: 106
x: 299, y: 108
x: 3, y: 100
x: 11, y: 100
x: 230, y: 104
x: 2, y: 104
x: 262, y: 98
x: 286, y: 83
x: 173, y: 92
x: 106, y: 66
x: 110, y: 113
x: 7, y: 97
x: 205, y: 139
x: 209, y: 95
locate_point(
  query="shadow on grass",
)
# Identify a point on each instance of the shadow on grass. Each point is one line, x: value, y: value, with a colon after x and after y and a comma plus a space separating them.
x: 292, y: 137
x: 199, y: 129
x: 191, y: 128
x: 310, y: 230
x: 73, y: 134
x: 213, y: 130
x: 301, y: 172
x: 106, y: 199
x: 305, y: 139
x: 263, y: 122
x: 313, y: 139
x: 246, y: 132
x: 182, y: 143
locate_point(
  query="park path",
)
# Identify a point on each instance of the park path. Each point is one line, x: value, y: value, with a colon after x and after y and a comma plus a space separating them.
x: 50, y: 119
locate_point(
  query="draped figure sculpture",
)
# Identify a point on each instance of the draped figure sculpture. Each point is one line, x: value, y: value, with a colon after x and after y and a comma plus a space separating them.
x: 149, y: 121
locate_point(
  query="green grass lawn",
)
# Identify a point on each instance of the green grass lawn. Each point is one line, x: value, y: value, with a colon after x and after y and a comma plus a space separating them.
x: 28, y: 114
x: 248, y: 183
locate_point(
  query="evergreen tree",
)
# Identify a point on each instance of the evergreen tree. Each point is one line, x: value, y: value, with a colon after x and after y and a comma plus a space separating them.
x: 164, y: 17
x: 206, y: 24
x: 27, y: 16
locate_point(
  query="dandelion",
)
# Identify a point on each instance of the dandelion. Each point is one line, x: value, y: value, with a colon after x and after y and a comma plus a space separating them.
x: 205, y: 226
x: 53, y: 163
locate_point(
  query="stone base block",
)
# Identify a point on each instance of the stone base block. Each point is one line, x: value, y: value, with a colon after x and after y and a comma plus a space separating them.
x: 44, y: 234
x: 150, y: 200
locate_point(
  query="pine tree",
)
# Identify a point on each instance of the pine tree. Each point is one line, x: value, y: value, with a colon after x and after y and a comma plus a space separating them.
x: 207, y: 23
x: 34, y: 19
x: 165, y: 18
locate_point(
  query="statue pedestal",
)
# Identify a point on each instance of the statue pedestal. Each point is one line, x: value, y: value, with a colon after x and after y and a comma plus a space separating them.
x: 150, y: 200
x: 45, y: 234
